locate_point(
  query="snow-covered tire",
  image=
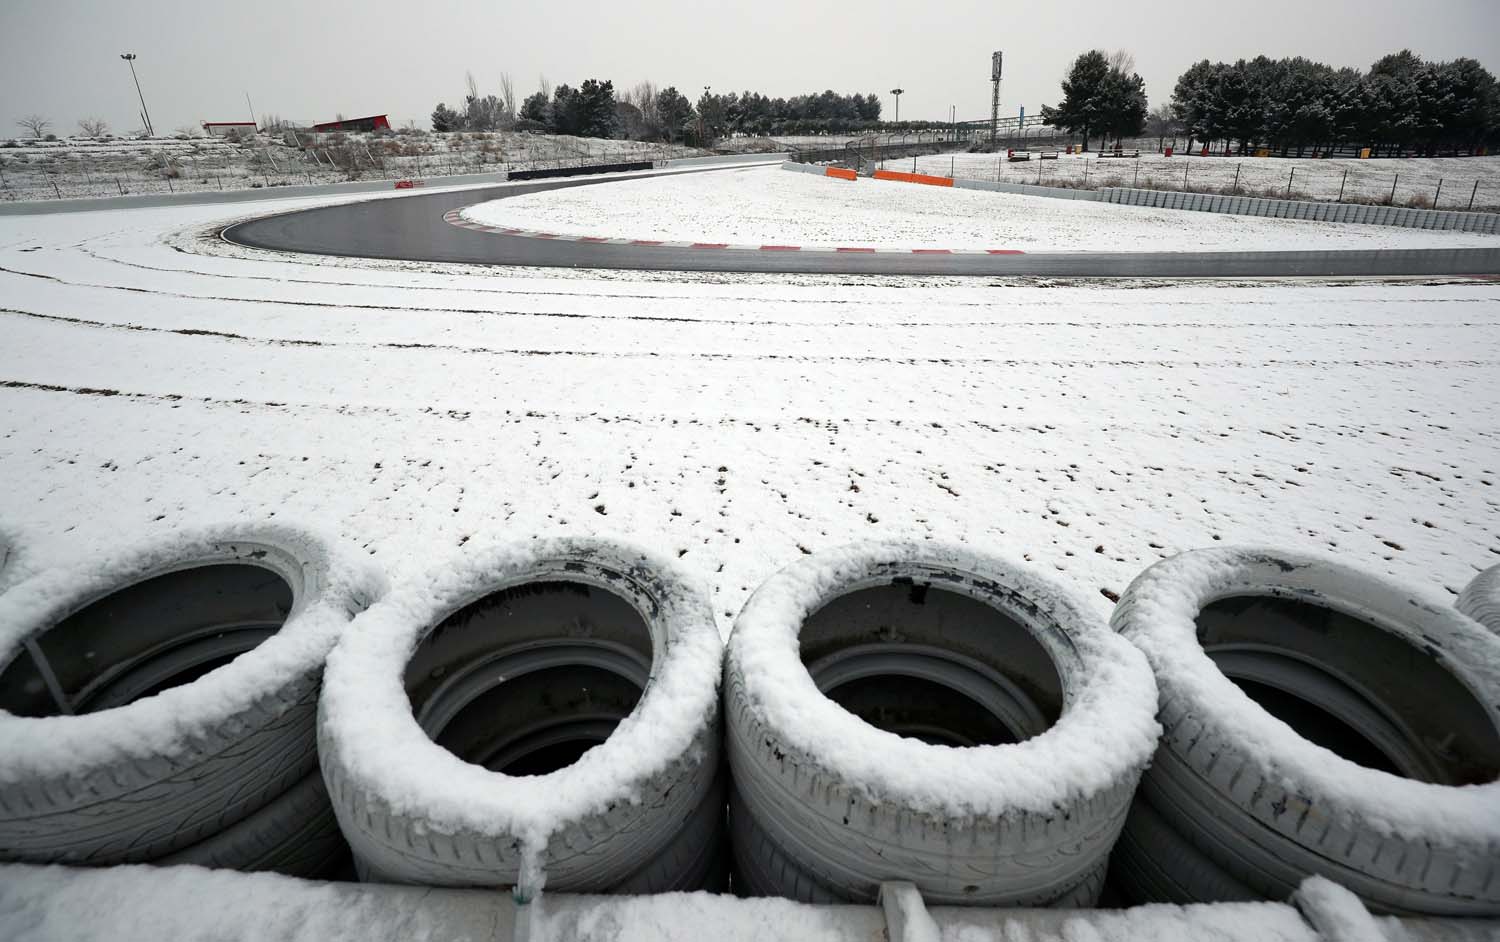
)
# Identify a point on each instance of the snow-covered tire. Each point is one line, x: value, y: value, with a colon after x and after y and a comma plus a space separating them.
x: 836, y: 805
x: 10, y: 557
x: 416, y: 812
x: 190, y: 667
x: 295, y: 834
x: 1480, y: 599
x: 1394, y: 680
x: 761, y: 869
x: 1153, y: 863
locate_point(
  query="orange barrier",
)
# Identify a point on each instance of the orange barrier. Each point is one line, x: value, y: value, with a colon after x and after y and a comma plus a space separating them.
x: 913, y: 178
x: 841, y: 173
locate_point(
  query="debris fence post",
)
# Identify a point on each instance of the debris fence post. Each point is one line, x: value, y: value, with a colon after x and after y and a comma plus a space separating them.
x: 1342, y: 184
x: 1137, y: 178
x: 1289, y: 178
x: 1236, y: 189
x: 1394, y: 179
x: 55, y: 189
x: 1185, y: 169
x: 1439, y: 194
x: 1473, y: 193
x: 119, y: 186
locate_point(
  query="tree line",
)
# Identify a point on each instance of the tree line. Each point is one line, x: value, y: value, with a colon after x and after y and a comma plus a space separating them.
x: 649, y: 113
x: 1403, y: 104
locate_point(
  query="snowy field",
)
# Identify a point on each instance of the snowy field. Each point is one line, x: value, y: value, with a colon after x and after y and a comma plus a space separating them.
x: 768, y: 205
x: 82, y: 167
x: 1369, y: 181
x: 153, y: 377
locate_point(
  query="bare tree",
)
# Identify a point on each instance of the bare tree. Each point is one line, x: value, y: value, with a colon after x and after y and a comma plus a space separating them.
x: 544, y: 86
x: 508, y: 98
x: 472, y: 85
x: 93, y: 127
x: 36, y: 124
x: 1122, y: 61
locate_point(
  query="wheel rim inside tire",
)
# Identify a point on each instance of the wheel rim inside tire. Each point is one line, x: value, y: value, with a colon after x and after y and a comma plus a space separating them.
x: 526, y: 680
x: 147, y: 637
x: 1353, y: 687
x: 931, y: 664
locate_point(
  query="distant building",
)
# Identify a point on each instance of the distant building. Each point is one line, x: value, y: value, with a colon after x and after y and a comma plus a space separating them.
x: 373, y: 123
x: 226, y: 128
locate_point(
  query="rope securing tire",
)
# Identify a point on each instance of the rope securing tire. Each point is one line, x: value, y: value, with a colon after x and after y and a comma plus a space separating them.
x: 899, y: 711
x: 542, y: 711
x: 1480, y: 599
x: 1318, y: 720
x: 150, y: 702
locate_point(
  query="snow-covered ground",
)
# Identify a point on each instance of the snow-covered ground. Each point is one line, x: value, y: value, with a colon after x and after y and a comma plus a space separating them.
x: 141, y: 904
x: 84, y: 167
x: 769, y: 205
x: 1369, y: 181
x: 152, y: 377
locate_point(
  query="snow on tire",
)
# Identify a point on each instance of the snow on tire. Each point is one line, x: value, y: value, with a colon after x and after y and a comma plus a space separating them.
x: 547, y: 710
x: 1318, y: 720
x: 907, y: 712
x: 149, y: 701
x: 1480, y: 599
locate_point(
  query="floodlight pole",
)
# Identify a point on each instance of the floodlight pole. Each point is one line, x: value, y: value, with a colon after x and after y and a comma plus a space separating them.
x: 129, y: 57
x: 996, y: 60
x: 898, y: 92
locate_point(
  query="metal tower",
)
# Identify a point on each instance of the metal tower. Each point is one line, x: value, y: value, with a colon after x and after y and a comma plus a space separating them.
x: 995, y: 61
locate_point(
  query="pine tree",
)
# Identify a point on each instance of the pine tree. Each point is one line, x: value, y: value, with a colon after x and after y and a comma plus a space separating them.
x: 1083, y: 96
x: 675, y: 111
x: 597, y: 114
x: 446, y: 119
x: 536, y: 108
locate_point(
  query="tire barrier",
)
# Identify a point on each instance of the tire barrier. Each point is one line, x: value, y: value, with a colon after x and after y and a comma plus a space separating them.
x: 542, y: 173
x: 1318, y: 721
x: 165, y: 700
x: 904, y: 712
x: 548, y: 711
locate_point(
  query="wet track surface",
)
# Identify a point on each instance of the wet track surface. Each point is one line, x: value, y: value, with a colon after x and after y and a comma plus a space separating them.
x: 413, y: 229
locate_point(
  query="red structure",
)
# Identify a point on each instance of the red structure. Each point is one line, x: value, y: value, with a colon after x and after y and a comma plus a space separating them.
x: 373, y: 123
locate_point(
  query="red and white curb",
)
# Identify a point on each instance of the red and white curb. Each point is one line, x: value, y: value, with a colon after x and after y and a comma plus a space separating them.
x: 455, y: 217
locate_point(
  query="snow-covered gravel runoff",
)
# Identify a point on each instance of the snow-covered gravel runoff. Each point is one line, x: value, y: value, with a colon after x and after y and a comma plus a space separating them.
x: 766, y: 205
x: 1368, y: 180
x: 152, y: 381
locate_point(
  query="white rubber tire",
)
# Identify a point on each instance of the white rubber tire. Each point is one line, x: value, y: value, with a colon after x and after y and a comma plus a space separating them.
x: 848, y: 805
x: 140, y: 781
x: 10, y: 558
x: 414, y: 812
x: 296, y: 834
x: 1267, y: 807
x: 1480, y: 599
x: 762, y: 869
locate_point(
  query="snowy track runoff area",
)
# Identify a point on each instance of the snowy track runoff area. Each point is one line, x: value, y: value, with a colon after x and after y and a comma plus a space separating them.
x: 768, y: 205
x: 152, y: 377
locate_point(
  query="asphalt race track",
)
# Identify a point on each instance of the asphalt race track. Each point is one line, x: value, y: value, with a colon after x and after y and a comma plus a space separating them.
x: 413, y: 229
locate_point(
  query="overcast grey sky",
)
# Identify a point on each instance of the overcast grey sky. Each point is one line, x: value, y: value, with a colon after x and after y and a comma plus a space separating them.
x: 310, y: 60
